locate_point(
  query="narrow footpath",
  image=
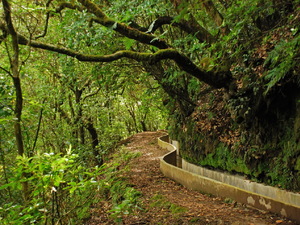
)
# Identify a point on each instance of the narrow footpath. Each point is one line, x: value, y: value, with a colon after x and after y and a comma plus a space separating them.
x: 166, y: 202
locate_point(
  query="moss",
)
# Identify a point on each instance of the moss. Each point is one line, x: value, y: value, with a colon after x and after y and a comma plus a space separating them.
x: 297, y: 166
x: 223, y: 158
x: 268, y: 157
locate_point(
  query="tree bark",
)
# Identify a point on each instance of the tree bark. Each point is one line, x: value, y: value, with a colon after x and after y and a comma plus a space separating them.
x: 215, y: 15
x: 18, y: 115
x: 14, y: 63
x: 95, y: 141
x: 180, y: 94
x: 221, y: 79
x: 190, y: 27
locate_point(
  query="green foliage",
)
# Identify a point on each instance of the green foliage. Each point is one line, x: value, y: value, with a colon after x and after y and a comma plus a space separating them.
x: 128, y: 43
x: 284, y: 168
x: 64, y: 99
x: 125, y: 200
x: 281, y: 60
x: 6, y: 99
x: 127, y: 11
x: 123, y: 197
x: 183, y: 14
x: 61, y: 189
x: 225, y: 159
x: 240, y: 17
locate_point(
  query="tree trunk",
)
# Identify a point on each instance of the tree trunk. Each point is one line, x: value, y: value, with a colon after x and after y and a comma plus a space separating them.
x: 95, y: 142
x: 215, y: 15
x: 18, y: 114
x: 78, y: 120
x: 14, y: 63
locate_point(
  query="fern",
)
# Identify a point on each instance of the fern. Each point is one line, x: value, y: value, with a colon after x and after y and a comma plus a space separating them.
x: 281, y: 61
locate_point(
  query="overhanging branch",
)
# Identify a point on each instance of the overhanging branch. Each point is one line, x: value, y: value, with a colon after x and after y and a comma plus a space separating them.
x: 61, y: 7
x: 189, y: 27
x: 122, y: 28
x: 217, y: 80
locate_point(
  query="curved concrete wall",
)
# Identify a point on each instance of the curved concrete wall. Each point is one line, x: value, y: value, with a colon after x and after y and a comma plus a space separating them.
x: 229, y: 186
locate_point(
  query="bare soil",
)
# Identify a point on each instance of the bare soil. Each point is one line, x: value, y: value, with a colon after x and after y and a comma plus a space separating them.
x: 164, y: 201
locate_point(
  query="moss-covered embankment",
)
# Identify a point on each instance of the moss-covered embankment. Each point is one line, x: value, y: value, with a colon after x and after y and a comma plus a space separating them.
x: 259, y: 138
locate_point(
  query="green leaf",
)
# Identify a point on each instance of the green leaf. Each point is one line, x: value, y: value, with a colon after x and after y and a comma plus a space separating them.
x: 128, y: 43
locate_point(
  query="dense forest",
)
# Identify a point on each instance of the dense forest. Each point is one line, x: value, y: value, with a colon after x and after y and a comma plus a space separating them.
x: 79, y: 76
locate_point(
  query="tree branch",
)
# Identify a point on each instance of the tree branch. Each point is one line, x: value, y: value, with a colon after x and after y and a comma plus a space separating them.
x: 174, y: 90
x: 92, y: 94
x: 189, y: 27
x: 64, y: 5
x: 61, y: 7
x: 121, y: 27
x: 215, y: 15
x: 217, y: 79
x: 5, y: 70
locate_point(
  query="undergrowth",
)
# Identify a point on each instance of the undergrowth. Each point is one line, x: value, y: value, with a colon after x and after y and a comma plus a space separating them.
x: 160, y: 202
x: 62, y: 190
x: 116, y: 189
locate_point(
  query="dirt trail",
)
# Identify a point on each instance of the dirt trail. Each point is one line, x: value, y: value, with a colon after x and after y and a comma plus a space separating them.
x: 166, y: 202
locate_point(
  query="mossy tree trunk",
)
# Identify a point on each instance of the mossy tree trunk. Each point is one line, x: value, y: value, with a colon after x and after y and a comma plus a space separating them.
x: 15, y: 75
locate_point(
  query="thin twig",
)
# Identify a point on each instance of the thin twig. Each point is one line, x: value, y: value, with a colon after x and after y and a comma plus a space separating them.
x: 38, y: 129
x: 5, y: 70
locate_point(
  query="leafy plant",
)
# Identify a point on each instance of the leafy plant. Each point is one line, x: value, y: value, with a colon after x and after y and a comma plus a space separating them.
x: 280, y: 61
x: 62, y: 190
x: 116, y: 189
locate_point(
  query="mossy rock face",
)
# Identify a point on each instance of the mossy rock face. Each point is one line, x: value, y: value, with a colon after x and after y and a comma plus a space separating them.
x: 273, y: 165
x: 297, y: 166
x: 223, y: 158
x: 268, y: 146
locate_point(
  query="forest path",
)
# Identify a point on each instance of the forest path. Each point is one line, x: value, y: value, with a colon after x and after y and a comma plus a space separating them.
x: 167, y: 202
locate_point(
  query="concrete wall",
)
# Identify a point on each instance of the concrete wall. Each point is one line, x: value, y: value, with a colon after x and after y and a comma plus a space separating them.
x: 229, y: 186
